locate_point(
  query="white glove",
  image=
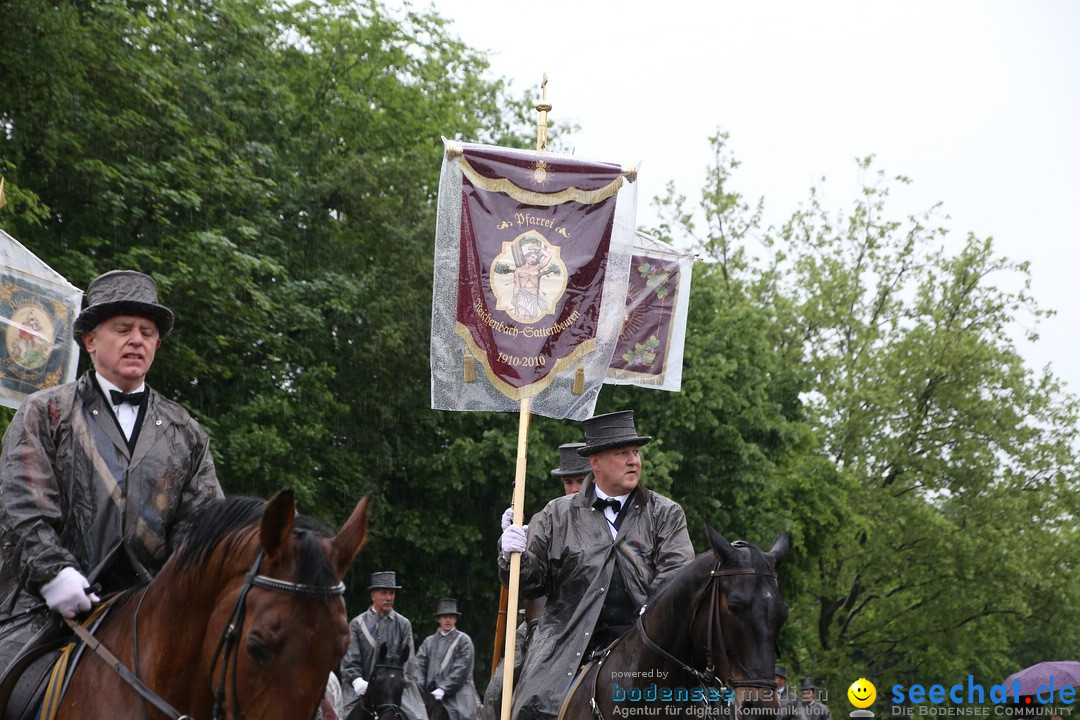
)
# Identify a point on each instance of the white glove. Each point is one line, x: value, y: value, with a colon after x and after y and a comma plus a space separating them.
x: 512, y: 540
x: 507, y: 517
x: 438, y: 693
x: 66, y: 593
x: 359, y: 686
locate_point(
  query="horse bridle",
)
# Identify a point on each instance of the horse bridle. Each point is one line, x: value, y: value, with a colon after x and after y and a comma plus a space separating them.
x: 709, y: 676
x: 227, y: 648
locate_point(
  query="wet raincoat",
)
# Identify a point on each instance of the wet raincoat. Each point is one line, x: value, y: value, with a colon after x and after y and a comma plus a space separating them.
x: 569, y: 557
x: 73, y: 494
x: 446, y: 661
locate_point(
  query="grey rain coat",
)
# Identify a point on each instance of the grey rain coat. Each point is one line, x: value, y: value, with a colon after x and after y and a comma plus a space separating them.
x: 72, y: 494
x: 446, y: 661
x: 569, y: 557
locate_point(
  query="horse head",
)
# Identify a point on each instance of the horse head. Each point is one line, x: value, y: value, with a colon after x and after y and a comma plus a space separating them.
x: 382, y: 699
x: 289, y: 614
x: 745, y: 615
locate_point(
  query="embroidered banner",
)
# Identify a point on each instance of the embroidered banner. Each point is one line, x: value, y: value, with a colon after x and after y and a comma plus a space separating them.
x: 37, y: 310
x: 531, y: 260
x: 650, y: 349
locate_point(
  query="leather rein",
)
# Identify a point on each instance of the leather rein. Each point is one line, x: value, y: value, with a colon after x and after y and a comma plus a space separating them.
x: 708, y: 676
x: 226, y: 647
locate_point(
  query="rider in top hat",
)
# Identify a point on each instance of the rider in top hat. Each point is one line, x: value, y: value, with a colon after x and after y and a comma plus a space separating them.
x: 597, y: 555
x: 444, y: 665
x: 379, y: 625
x: 98, y: 476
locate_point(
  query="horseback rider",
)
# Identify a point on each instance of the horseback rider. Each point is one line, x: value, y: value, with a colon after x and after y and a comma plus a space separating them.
x: 97, y: 476
x: 597, y: 555
x: 444, y: 664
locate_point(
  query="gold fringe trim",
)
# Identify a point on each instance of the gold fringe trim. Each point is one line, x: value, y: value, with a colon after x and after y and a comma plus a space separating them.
x: 579, y: 379
x: 528, y: 197
x: 540, y: 385
x: 470, y: 367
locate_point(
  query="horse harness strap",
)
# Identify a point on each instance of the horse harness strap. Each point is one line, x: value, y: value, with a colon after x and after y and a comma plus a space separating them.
x: 126, y: 675
x: 227, y: 644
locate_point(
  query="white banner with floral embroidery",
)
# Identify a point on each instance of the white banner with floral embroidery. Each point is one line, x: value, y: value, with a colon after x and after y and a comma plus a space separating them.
x: 650, y: 348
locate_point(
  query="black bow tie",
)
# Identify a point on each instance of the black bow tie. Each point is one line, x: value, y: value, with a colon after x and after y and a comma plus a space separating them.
x: 119, y: 398
x: 615, y: 505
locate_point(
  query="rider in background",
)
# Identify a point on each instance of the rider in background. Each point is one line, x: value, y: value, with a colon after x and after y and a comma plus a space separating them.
x: 444, y: 665
x: 97, y: 476
x: 597, y: 556
x: 379, y: 625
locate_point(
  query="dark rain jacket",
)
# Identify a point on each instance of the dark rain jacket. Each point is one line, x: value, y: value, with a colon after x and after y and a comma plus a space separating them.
x: 446, y: 661
x: 73, y: 494
x: 569, y: 557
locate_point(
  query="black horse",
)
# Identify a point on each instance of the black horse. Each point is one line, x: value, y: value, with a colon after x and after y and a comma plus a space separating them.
x: 382, y: 700
x: 707, y: 640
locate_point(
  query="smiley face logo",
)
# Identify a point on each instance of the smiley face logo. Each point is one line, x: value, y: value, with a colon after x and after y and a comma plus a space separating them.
x: 862, y: 693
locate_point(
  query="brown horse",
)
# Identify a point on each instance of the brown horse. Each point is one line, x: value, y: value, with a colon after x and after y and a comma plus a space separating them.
x: 245, y: 620
x: 708, y: 637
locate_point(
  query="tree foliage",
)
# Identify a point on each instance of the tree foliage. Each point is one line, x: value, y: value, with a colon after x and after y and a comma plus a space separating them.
x: 936, y: 516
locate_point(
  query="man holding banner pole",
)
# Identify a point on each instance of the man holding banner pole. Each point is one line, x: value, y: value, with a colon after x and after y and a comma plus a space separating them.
x: 597, y: 555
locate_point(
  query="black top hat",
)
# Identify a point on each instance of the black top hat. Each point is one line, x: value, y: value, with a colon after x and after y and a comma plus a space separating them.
x: 612, y: 430
x: 384, y: 580
x: 447, y: 606
x: 779, y: 671
x: 808, y: 684
x: 122, y: 292
x: 570, y: 463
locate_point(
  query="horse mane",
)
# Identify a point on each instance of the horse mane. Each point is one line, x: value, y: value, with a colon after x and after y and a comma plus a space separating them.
x: 233, y: 521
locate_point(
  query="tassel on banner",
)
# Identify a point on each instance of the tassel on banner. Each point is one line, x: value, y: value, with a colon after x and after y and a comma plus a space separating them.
x: 579, y: 379
x: 470, y: 367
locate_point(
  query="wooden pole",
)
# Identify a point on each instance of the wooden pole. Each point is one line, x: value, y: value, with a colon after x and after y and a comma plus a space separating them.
x: 515, y: 558
x: 500, y: 630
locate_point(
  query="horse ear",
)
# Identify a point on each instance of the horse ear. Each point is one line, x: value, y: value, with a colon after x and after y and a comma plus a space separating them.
x: 277, y: 522
x: 382, y: 652
x: 347, y: 543
x: 721, y: 547
x: 780, y: 548
x: 404, y: 654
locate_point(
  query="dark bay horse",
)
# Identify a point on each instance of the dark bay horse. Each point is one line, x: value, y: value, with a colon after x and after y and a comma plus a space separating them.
x: 708, y: 637
x: 382, y: 699
x: 245, y: 620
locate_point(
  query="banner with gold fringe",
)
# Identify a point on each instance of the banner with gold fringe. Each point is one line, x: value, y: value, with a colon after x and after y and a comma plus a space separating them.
x: 650, y: 349
x: 532, y: 252
x: 38, y: 307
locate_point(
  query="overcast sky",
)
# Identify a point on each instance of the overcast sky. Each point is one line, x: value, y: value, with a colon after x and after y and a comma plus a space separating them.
x: 977, y: 102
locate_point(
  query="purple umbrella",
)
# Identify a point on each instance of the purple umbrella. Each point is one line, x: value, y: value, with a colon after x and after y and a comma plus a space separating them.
x: 1053, y: 675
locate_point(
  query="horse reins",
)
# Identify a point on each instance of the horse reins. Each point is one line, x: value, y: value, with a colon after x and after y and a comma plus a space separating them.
x: 226, y: 647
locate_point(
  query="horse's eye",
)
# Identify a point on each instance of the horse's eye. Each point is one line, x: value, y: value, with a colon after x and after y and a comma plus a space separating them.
x: 734, y: 608
x: 257, y: 651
